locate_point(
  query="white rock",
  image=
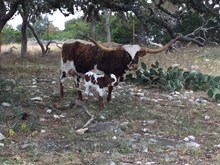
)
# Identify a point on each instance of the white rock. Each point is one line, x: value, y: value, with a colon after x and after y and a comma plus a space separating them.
x: 175, y: 93
x: 207, y: 117
x: 188, y: 93
x: 168, y: 96
x: 186, y: 139
x: 43, y: 131
x: 114, y: 137
x: 1, y: 136
x: 112, y: 163
x: 102, y: 117
x: 149, y: 163
x: 49, y: 110
x: 145, y: 150
x: 145, y: 129
x: 56, y: 116
x: 34, y: 86
x: 62, y: 116
x: 175, y: 65
x: 42, y: 119
x: 217, y: 146
x: 142, y: 98
x: 132, y: 93
x: 6, y: 104
x: 154, y: 100
x: 36, y: 99
x: 193, y: 145
x: 34, y: 82
x: 191, y: 138
x: 138, y: 162
x: 140, y: 94
x: 150, y: 122
x: 53, y: 82
x: 2, y: 144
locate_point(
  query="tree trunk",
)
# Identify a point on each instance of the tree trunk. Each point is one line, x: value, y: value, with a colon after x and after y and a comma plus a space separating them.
x: 24, y: 14
x: 24, y: 37
x: 0, y: 42
x: 93, y: 24
x: 107, y: 23
x: 43, y: 50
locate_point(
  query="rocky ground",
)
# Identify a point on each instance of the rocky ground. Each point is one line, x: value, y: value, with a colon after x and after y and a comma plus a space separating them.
x: 141, y: 125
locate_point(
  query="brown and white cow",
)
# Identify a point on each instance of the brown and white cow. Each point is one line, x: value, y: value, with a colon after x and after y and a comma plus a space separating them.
x: 98, y: 82
x: 79, y: 58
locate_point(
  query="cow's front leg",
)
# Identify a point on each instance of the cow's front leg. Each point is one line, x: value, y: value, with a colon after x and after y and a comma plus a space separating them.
x: 61, y: 89
x: 78, y: 87
x: 101, y: 103
x: 109, y: 97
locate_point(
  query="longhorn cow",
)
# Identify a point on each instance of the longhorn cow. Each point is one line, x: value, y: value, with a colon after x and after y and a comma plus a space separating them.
x: 79, y: 58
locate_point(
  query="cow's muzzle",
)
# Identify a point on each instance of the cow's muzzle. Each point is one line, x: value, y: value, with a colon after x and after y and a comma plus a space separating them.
x: 133, y: 67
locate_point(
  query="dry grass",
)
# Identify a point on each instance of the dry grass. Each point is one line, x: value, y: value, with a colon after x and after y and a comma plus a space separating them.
x: 205, y: 60
x: 171, y: 121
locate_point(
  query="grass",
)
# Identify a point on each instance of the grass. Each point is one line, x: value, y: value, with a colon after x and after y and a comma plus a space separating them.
x: 165, y: 119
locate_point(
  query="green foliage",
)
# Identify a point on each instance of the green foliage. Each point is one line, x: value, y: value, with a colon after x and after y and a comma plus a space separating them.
x: 176, y: 79
x: 74, y: 27
x: 189, y: 23
x: 10, y: 35
x: 6, y: 87
x: 41, y: 26
x: 121, y: 30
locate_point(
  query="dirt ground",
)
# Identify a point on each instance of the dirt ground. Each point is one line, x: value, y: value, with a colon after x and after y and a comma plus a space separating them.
x: 141, y: 125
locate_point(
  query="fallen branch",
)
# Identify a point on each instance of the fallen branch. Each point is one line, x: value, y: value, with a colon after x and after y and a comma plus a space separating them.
x: 83, y: 129
x: 78, y: 103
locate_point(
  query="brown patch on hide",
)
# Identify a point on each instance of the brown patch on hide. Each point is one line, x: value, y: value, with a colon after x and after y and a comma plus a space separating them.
x: 104, y: 81
x: 87, y: 78
x: 72, y: 73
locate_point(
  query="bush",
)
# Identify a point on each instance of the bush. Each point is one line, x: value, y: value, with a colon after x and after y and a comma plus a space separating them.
x: 176, y: 79
x: 10, y: 35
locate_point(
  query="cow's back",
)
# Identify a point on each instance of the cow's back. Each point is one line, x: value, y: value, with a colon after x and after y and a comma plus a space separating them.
x: 82, y: 55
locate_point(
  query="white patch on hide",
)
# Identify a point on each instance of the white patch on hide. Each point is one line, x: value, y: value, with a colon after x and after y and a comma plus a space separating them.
x: 132, y: 49
x: 97, y: 71
x: 115, y: 79
x: 89, y: 84
x: 66, y: 67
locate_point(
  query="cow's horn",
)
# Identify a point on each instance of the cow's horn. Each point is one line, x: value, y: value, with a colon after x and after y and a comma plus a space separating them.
x: 154, y: 51
x: 98, y: 44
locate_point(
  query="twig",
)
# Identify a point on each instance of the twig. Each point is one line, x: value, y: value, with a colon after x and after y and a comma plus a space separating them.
x: 84, y: 128
x: 76, y: 103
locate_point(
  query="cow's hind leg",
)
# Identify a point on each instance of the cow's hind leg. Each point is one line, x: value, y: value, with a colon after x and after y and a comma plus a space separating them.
x: 78, y: 87
x: 62, y: 78
x: 101, y: 103
x: 109, y: 97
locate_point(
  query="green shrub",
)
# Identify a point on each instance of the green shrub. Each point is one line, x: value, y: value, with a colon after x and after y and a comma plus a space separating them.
x: 176, y: 79
x: 10, y: 35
